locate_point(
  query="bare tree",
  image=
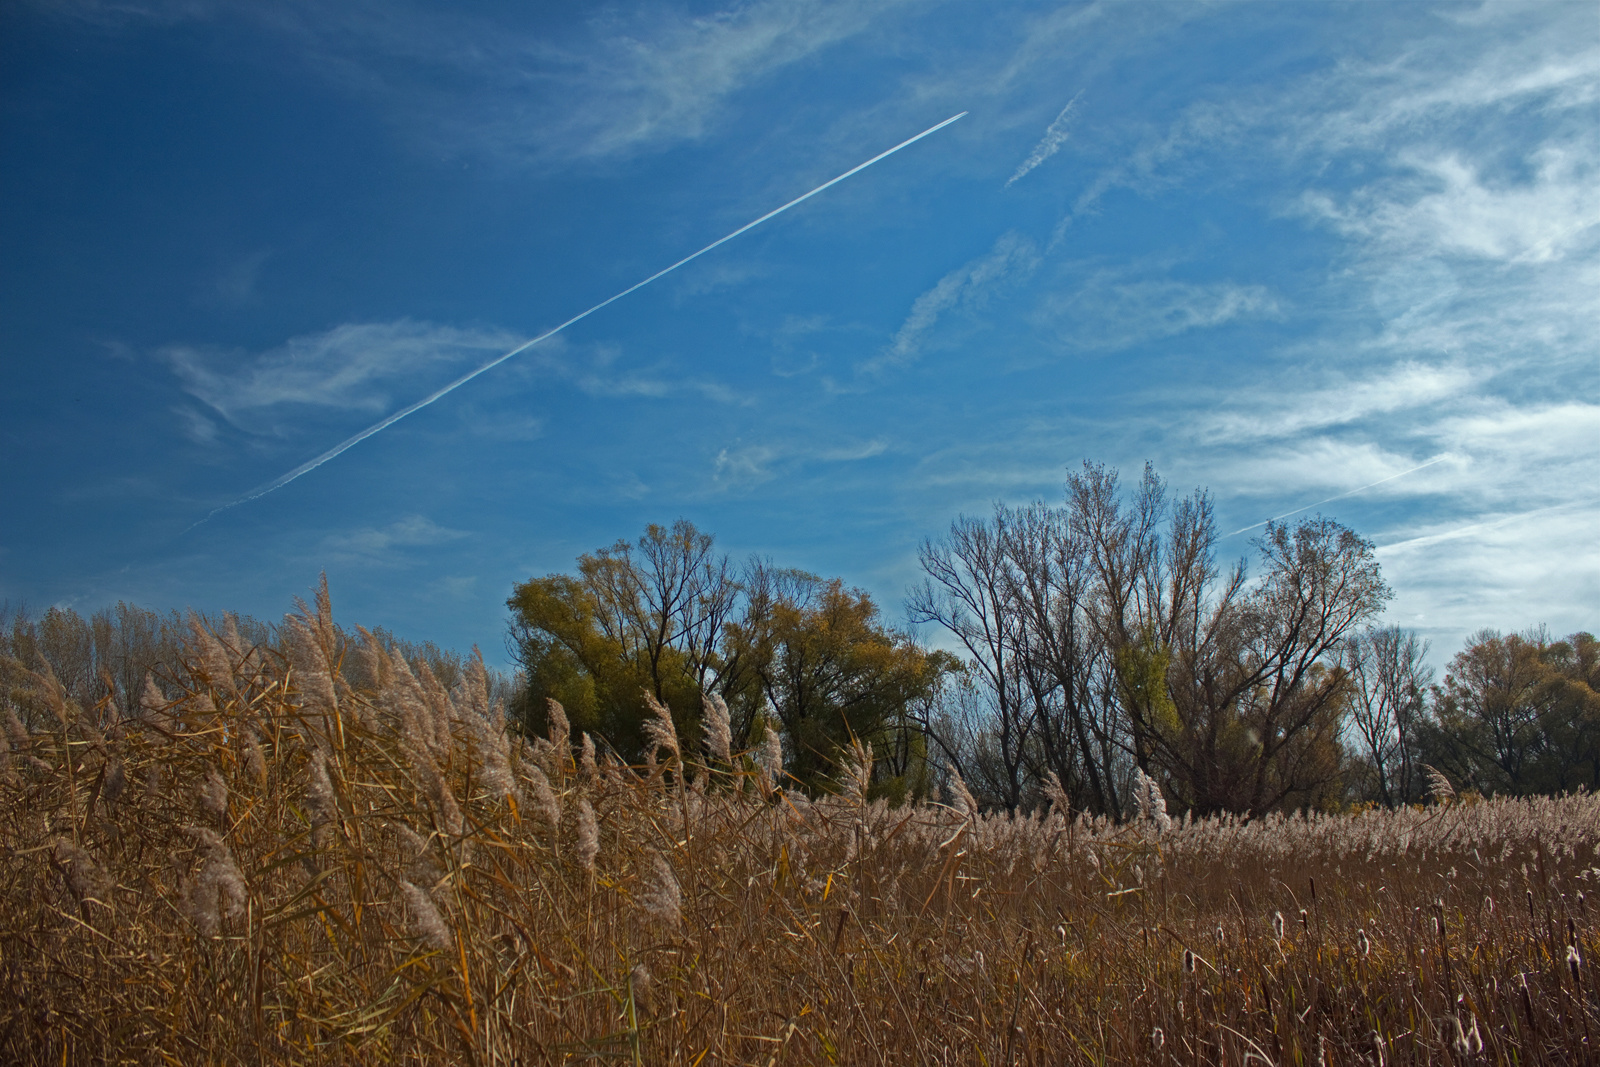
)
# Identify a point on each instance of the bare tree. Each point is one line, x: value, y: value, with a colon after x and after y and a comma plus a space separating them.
x: 1388, y: 701
x: 968, y: 591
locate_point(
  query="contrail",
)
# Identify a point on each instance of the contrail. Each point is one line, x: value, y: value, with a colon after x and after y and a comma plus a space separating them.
x: 1341, y: 496
x: 344, y: 446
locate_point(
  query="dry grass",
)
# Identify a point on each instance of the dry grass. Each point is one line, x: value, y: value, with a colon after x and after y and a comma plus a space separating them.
x: 275, y: 868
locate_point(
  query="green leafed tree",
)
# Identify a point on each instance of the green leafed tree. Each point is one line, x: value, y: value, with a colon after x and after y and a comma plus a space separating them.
x: 668, y: 615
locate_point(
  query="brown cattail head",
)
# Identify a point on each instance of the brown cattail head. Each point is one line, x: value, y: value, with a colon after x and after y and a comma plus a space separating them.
x: 769, y: 759
x: 1053, y: 791
x: 661, y: 897
x: 87, y: 880
x: 588, y: 770
x: 961, y: 797
x: 1277, y: 925
x: 212, y: 656
x: 560, y: 731
x: 588, y: 835
x: 855, y: 769
x: 659, y: 730
x: 544, y: 798
x: 719, y: 733
x: 214, y: 795
x: 426, y: 922
x: 218, y: 893
x: 1439, y: 786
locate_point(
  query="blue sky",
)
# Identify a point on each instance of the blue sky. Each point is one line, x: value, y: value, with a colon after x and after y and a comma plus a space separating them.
x: 1281, y: 251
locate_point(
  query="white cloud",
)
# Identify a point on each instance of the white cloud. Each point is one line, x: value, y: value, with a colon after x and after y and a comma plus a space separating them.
x: 382, y: 543
x: 1293, y: 407
x: 744, y: 465
x: 1107, y: 312
x: 355, y: 366
x: 1445, y: 207
x: 1054, y: 137
x: 1506, y: 570
x: 969, y: 286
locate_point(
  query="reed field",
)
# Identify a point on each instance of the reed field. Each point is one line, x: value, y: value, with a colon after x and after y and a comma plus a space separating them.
x: 316, y: 853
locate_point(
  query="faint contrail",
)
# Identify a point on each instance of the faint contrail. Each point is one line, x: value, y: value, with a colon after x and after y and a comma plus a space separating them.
x: 344, y: 446
x: 1341, y: 496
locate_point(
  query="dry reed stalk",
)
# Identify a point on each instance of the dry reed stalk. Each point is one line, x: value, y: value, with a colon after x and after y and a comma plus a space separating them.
x: 304, y: 920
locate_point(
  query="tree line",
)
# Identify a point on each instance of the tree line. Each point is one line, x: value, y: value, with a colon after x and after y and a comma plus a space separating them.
x: 1101, y: 640
x: 1098, y: 643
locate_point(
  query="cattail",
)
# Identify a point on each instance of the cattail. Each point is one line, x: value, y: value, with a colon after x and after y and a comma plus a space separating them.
x: 474, y: 687
x: 661, y: 899
x: 495, y: 749
x: 1151, y: 803
x: 641, y: 983
x: 1188, y: 962
x: 315, y: 680
x: 588, y: 835
x: 254, y: 761
x: 1305, y: 920
x: 769, y: 759
x: 587, y: 770
x: 411, y: 846
x: 1363, y: 943
x: 719, y: 734
x: 1574, y: 961
x: 961, y: 797
x: 1157, y: 1038
x: 214, y: 795
x: 560, y: 731
x: 151, y: 702
x: 213, y: 657
x: 1277, y: 925
x: 116, y: 782
x: 218, y: 892
x: 373, y: 658
x: 856, y: 771
x: 658, y: 727
x: 324, y: 807
x: 231, y: 640
x: 544, y: 797
x: 1053, y: 791
x: 1439, y: 786
x: 441, y: 712
x: 407, y: 697
x: 86, y: 878
x: 1378, y: 1056
x: 426, y: 922
x: 16, y: 733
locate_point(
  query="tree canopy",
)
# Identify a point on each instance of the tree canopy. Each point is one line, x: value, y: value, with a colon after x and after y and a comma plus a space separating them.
x: 785, y: 649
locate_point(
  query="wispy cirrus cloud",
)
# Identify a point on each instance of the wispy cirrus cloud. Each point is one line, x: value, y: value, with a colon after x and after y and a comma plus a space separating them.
x: 352, y: 367
x: 622, y: 81
x: 1109, y: 310
x: 1054, y: 137
x: 387, y: 544
x: 742, y: 465
x: 1013, y: 257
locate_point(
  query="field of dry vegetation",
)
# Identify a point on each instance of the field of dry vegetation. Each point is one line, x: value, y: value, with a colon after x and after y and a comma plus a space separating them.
x: 316, y: 853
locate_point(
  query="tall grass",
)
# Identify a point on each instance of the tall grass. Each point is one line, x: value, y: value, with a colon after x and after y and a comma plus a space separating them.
x: 263, y: 864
